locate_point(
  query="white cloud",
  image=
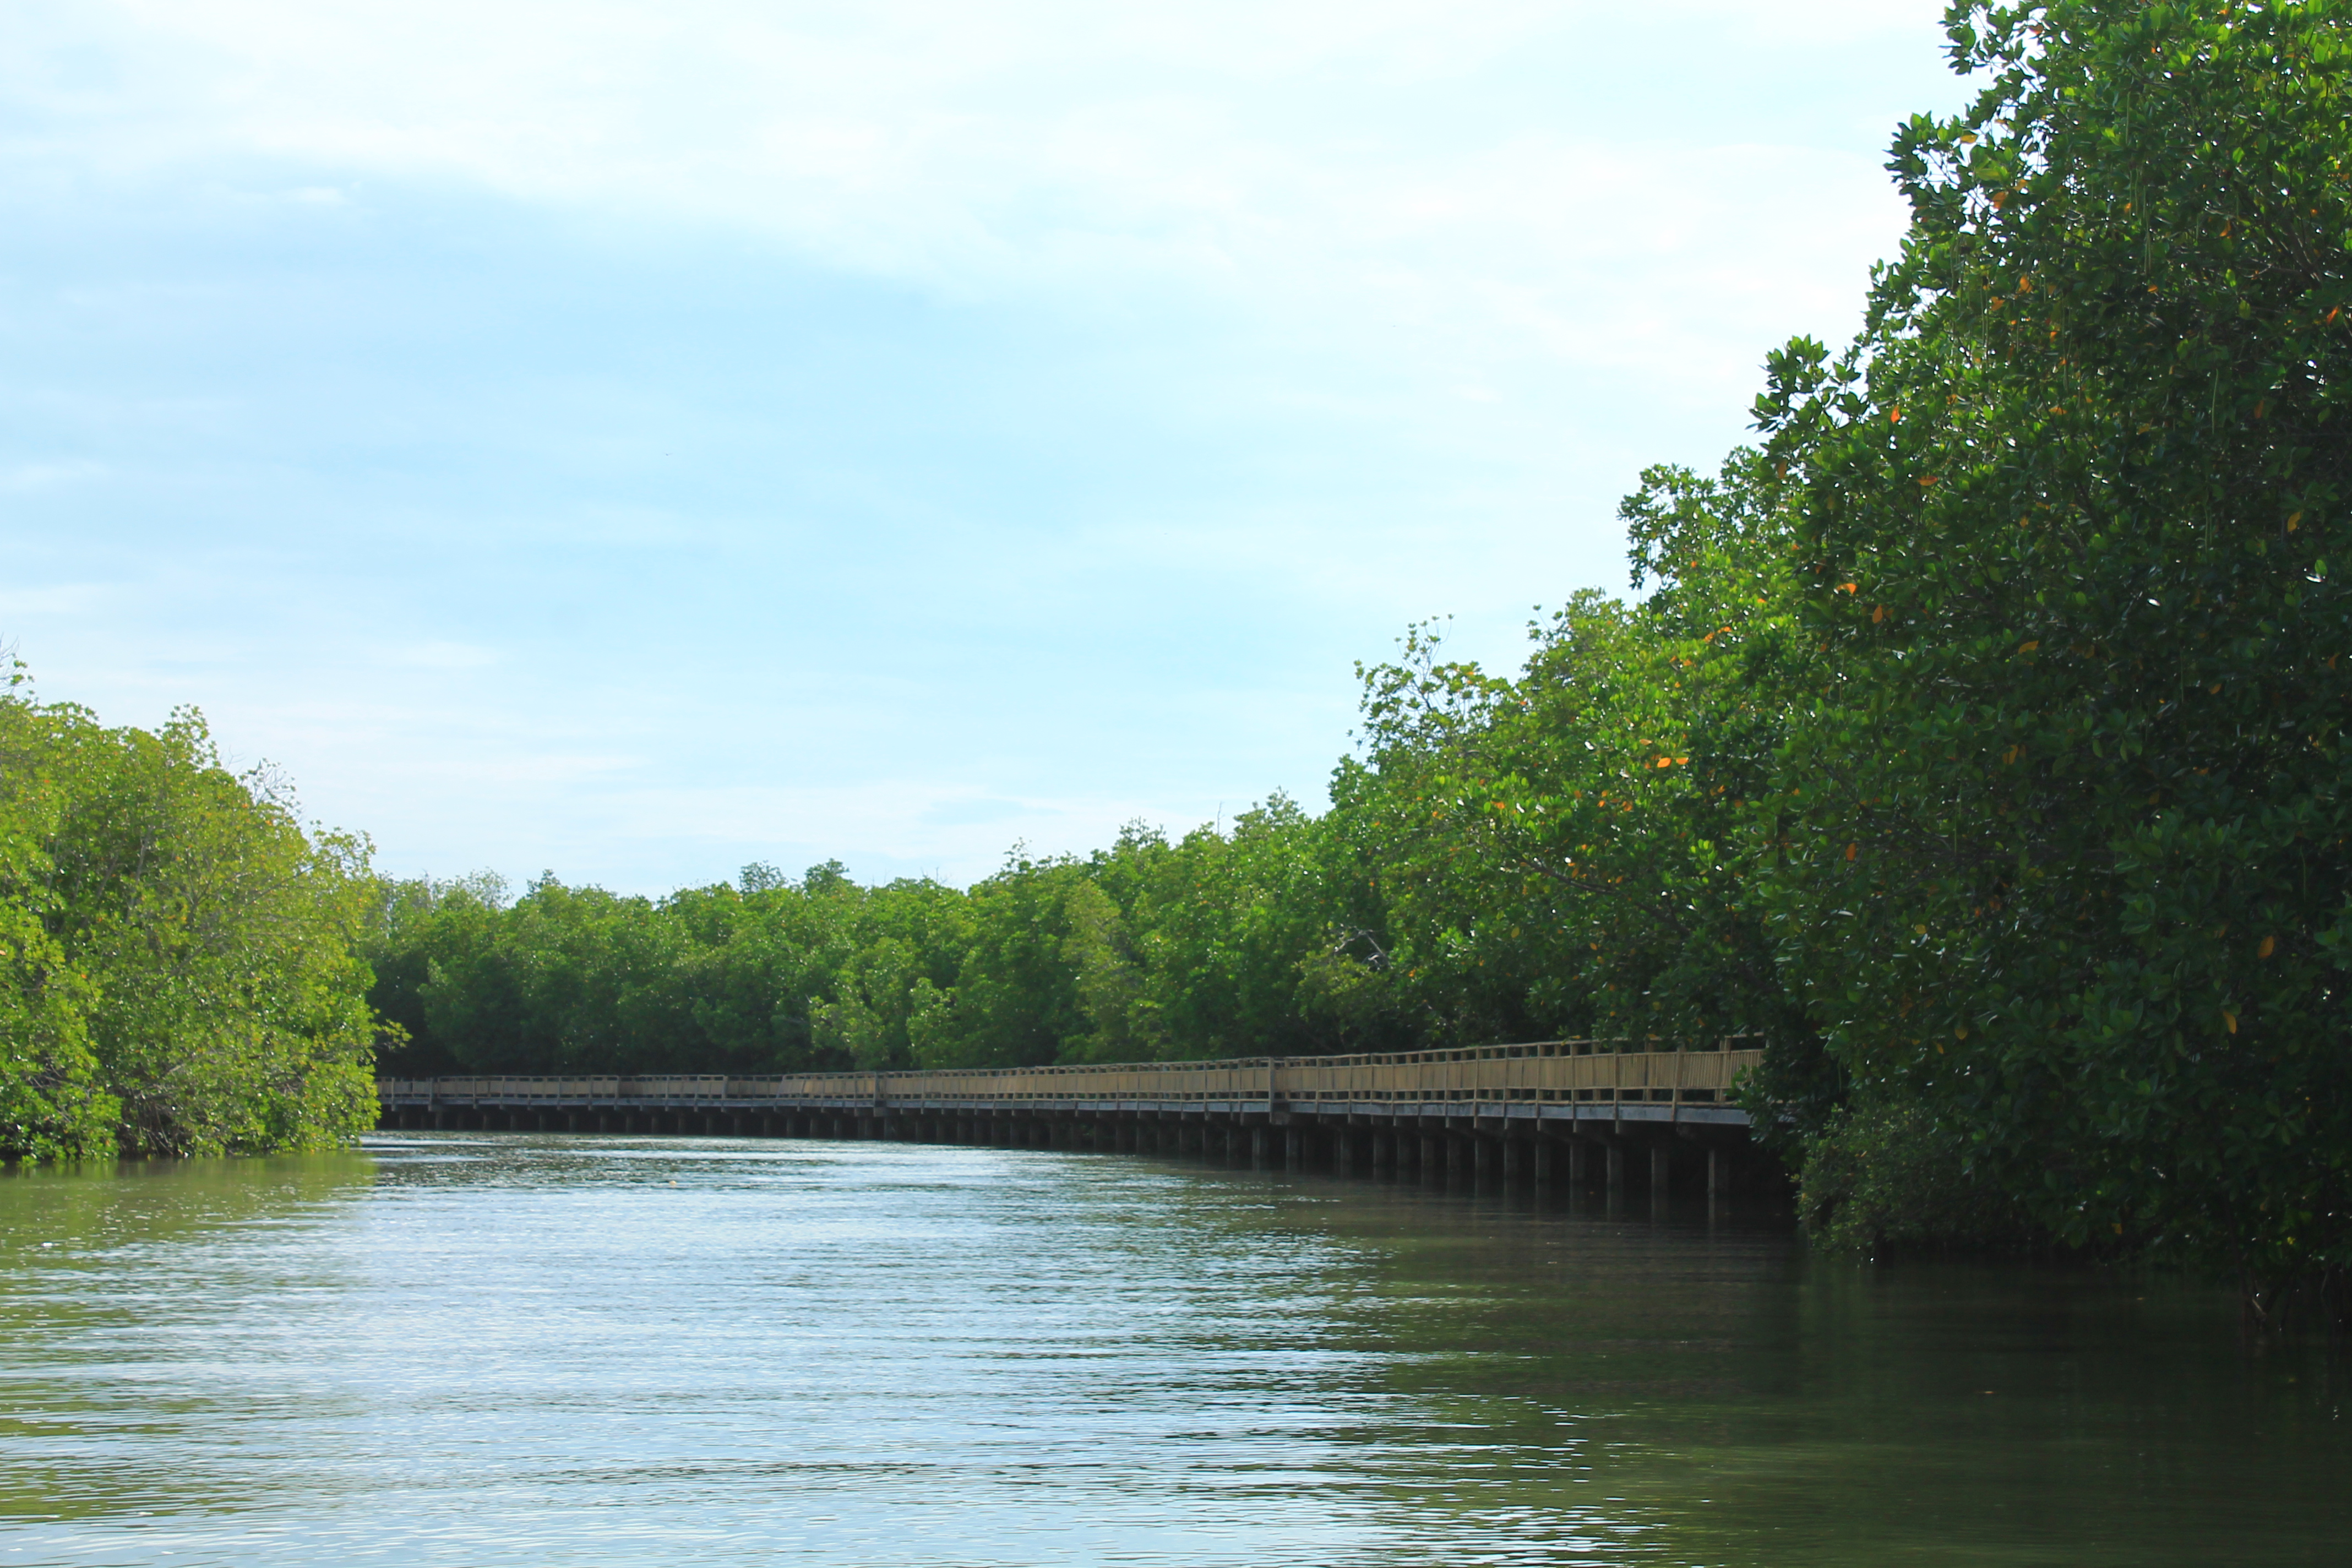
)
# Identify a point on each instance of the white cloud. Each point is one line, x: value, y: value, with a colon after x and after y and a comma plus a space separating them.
x: 1349, y: 171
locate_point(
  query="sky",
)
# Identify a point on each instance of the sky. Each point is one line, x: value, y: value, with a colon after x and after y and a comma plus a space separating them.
x: 636, y: 440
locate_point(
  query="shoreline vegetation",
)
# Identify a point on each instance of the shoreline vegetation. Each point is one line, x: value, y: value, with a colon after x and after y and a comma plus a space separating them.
x: 1977, y: 742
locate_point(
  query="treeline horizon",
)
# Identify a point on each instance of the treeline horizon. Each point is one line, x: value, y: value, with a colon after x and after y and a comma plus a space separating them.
x: 1977, y: 742
x: 1269, y: 935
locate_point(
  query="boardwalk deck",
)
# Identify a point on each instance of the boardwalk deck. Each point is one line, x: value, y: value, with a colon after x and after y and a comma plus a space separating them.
x: 1564, y: 1087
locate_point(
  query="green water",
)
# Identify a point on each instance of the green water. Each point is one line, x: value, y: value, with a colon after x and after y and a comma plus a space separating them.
x: 486, y: 1349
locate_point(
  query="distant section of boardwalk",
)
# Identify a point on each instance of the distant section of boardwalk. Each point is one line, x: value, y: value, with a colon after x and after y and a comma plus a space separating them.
x: 1507, y: 1109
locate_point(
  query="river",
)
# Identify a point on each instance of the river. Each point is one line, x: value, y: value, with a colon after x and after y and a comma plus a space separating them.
x: 511, y: 1349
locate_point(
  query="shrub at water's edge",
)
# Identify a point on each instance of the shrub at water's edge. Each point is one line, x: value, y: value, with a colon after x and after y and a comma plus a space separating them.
x: 179, y: 971
x: 1888, y: 1178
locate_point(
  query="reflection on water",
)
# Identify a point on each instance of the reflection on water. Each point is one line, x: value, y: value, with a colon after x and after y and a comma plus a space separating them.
x: 486, y: 1349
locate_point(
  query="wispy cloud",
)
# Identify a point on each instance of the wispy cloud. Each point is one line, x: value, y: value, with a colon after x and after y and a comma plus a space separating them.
x: 1381, y: 170
x: 22, y: 477
x: 441, y: 655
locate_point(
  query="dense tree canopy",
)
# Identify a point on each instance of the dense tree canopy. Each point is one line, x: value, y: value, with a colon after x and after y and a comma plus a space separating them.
x: 50, y: 1104
x: 1226, y: 943
x: 178, y: 963
x: 2059, y: 862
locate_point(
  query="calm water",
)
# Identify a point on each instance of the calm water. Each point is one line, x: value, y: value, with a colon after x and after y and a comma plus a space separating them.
x: 486, y: 1349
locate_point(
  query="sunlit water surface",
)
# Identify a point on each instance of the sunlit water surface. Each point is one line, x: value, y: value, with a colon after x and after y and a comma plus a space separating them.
x: 486, y: 1349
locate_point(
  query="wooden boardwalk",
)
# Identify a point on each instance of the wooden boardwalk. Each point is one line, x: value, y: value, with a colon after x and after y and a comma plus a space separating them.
x: 1509, y: 1110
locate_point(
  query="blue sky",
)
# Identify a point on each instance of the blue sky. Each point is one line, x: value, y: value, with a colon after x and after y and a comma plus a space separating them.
x: 634, y: 440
